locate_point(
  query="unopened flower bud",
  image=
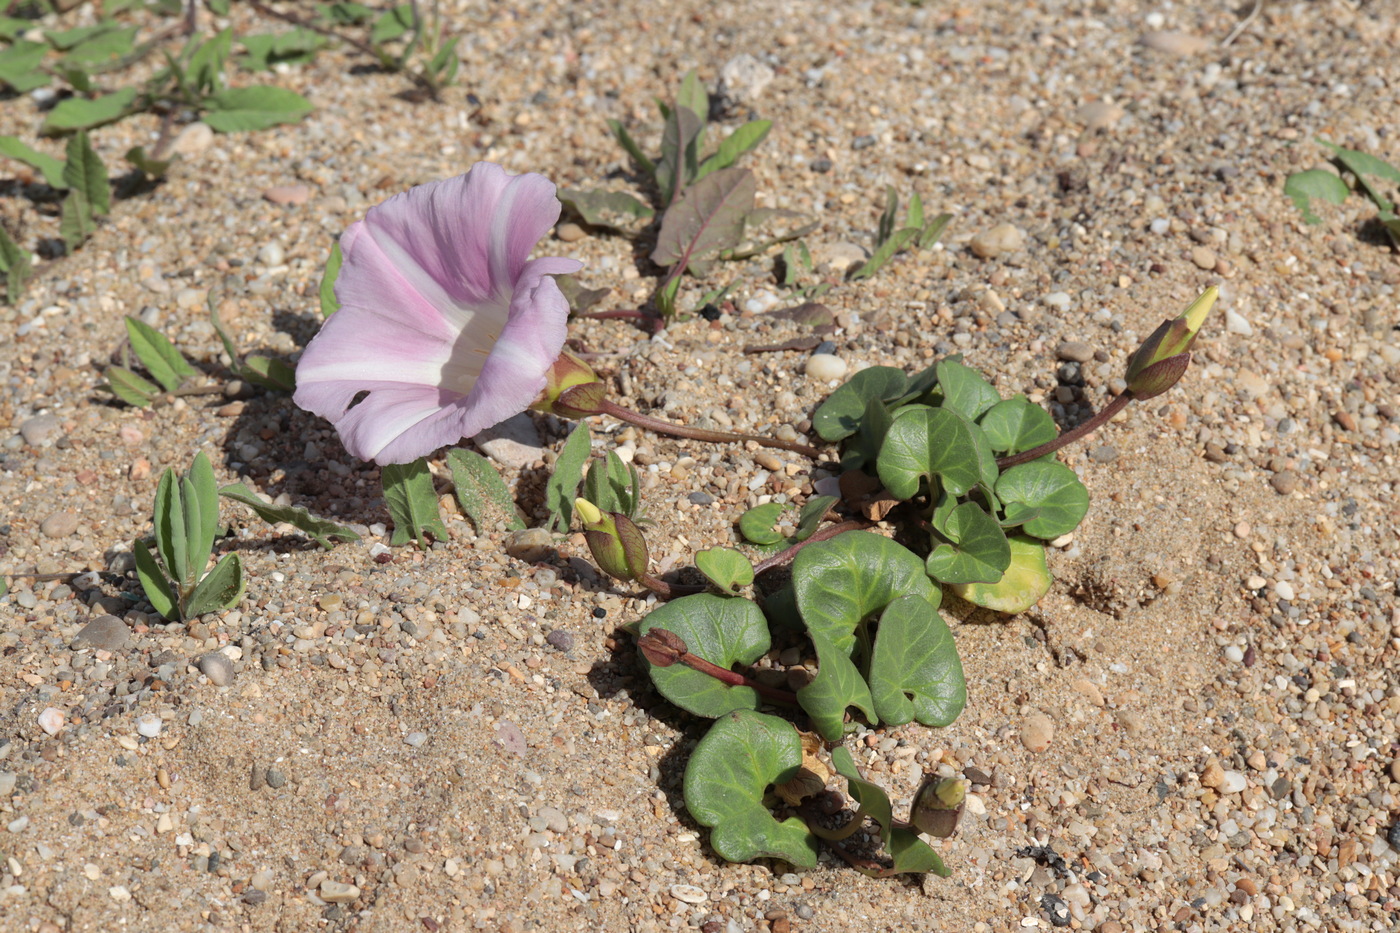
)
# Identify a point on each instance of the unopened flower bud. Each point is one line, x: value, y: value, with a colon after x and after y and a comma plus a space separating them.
x: 662, y: 648
x: 572, y: 389
x: 937, y: 806
x: 1169, y: 344
x: 618, y: 546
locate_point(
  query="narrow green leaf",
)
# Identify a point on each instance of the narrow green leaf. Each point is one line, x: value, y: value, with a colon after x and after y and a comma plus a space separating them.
x: 392, y: 25
x: 192, y: 515
x: 320, y: 530
x: 412, y: 503
x: 204, y: 71
x: 707, y: 217
x: 16, y: 263
x: 915, y: 672
x: 221, y: 588
x: 205, y: 491
x: 744, y: 139
x: 1302, y: 187
x: 885, y: 229
x: 443, y: 65
x: 48, y: 166
x: 85, y: 173
x: 329, y: 303
x: 915, y: 217
x: 562, y: 488
x: 680, y: 142
x: 103, y: 48
x: 77, y: 113
x: 809, y: 518
x: 348, y: 13
x: 130, y: 388
x: 254, y: 108
x: 481, y: 492
x: 75, y: 223
x: 871, y: 798
x: 933, y: 231
x: 154, y: 584
x: 629, y: 145
x: 151, y: 168
x: 170, y: 526
x: 884, y: 253
x: 726, y: 778
x: 165, y: 363
x: 269, y: 372
x: 613, y: 486
x: 837, y: 687
x: 724, y: 631
x: 692, y: 95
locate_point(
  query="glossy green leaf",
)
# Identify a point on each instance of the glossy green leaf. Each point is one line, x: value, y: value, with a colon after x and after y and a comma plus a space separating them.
x: 809, y: 518
x: 241, y: 109
x: 1016, y: 424
x: 744, y: 139
x: 562, y: 488
x: 130, y: 388
x: 840, y: 415
x: 1051, y: 487
x: 725, y: 567
x: 165, y: 363
x: 837, y: 687
x: 1021, y: 587
x: 480, y: 491
x: 221, y: 588
x: 323, y: 531
x: 726, y: 778
x: 724, y: 631
x: 756, y: 525
x: 329, y: 303
x: 1303, y: 187
x: 412, y: 503
x: 870, y: 798
x: 915, y: 672
x: 706, y: 218
x: 979, y: 552
x: 615, y: 210
x: 924, y: 443
x: 49, y: 167
x: 843, y: 582
x: 77, y: 113
x: 964, y: 390
x: 154, y: 583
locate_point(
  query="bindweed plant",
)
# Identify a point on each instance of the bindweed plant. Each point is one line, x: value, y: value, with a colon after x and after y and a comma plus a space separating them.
x: 1370, y: 174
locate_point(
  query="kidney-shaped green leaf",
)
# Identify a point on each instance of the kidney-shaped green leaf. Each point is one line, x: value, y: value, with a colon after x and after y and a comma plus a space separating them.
x: 725, y: 781
x: 756, y: 525
x: 927, y: 442
x: 1025, y: 581
x: 837, y: 687
x: 840, y: 415
x: 915, y: 672
x: 725, y: 567
x: 979, y: 552
x: 852, y: 577
x: 721, y: 630
x: 964, y: 389
x: 1016, y: 425
x: 1050, y: 487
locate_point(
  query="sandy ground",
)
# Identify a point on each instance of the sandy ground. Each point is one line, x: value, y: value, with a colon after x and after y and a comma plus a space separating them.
x: 461, y: 740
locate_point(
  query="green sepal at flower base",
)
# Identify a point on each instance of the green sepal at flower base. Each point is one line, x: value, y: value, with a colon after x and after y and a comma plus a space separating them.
x: 1162, y: 358
x: 618, y: 546
x: 937, y: 806
x: 572, y: 389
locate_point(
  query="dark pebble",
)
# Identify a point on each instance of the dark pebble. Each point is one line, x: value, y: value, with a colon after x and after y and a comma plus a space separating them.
x: 1394, y: 837
x: 257, y: 778
x: 863, y: 142
x: 561, y: 639
x: 826, y: 346
x: 254, y: 897
x: 1215, y: 453
x: 1056, y: 909
x: 104, y: 633
x: 700, y: 498
x: 977, y: 776
x: 600, y: 613
x: 822, y: 165
x: 1106, y: 453
x: 710, y: 312
x: 275, y: 778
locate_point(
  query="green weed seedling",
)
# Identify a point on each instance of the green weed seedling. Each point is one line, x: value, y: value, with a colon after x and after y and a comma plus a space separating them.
x: 1371, y: 174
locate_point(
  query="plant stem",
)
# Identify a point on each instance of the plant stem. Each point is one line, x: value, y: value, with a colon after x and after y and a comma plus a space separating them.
x: 607, y: 407
x: 664, y: 590
x: 695, y: 662
x: 1069, y: 437
x: 786, y: 556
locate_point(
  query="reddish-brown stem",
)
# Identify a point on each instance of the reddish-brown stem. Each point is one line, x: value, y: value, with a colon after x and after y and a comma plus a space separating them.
x: 787, y: 555
x: 734, y: 679
x: 1069, y: 437
x: 664, y: 590
x: 607, y: 407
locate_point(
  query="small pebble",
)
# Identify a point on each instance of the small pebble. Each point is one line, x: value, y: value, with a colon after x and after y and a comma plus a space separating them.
x: 51, y: 721
x: 1104, y: 453
x: 1284, y: 482
x: 337, y: 892
x: 1074, y: 351
x: 287, y: 194
x: 217, y: 667
x: 1203, y: 257
x: 1175, y: 43
x: 193, y: 139
x: 529, y: 544
x: 570, y: 232
x: 1234, y: 653
x: 272, y: 254
x: 1232, y: 782
x: 275, y: 779
x: 1284, y: 589
x: 689, y: 893
x: 1001, y: 239
x: 1036, y: 731
x: 149, y: 725
x: 561, y: 639
x: 59, y: 525
x: 41, y: 430
x: 415, y: 739
x: 743, y: 79
x: 824, y: 367
x: 104, y: 633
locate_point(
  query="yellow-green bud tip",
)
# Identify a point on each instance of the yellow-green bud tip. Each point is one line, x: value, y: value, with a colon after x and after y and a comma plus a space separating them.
x: 1195, y: 315
x: 588, y: 513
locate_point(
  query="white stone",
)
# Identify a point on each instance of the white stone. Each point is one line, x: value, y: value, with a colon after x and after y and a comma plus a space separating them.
x: 825, y: 366
x: 149, y: 725
x: 51, y: 721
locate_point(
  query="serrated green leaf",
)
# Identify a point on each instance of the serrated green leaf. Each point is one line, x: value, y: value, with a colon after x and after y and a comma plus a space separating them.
x: 979, y: 552
x: 562, y: 488
x: 615, y: 210
x: 964, y: 389
x: 20, y: 66
x: 221, y: 588
x: 724, y: 631
x: 726, y: 568
x: 871, y: 798
x: 726, y: 778
x: 837, y: 687
x: 329, y: 303
x: 843, y: 583
x: 47, y: 165
x: 131, y: 388
x: 756, y: 525
x: 165, y: 363
x: 480, y: 491
x: 154, y: 584
x: 1021, y: 587
x: 915, y: 672
x: 744, y: 139
x: 840, y: 415
x: 412, y: 503
x: 104, y: 47
x: 77, y: 113
x: 320, y: 530
x: 75, y: 222
x: 1016, y: 425
x: 84, y: 172
x: 924, y: 443
x: 1051, y: 487
x: 242, y: 109
x: 1302, y: 187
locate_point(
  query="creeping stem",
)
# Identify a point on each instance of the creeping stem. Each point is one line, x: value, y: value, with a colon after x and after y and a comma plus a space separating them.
x: 1069, y: 437
x: 607, y: 407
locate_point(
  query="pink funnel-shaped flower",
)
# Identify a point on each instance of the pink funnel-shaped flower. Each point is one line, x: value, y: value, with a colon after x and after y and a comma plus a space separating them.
x: 446, y: 326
